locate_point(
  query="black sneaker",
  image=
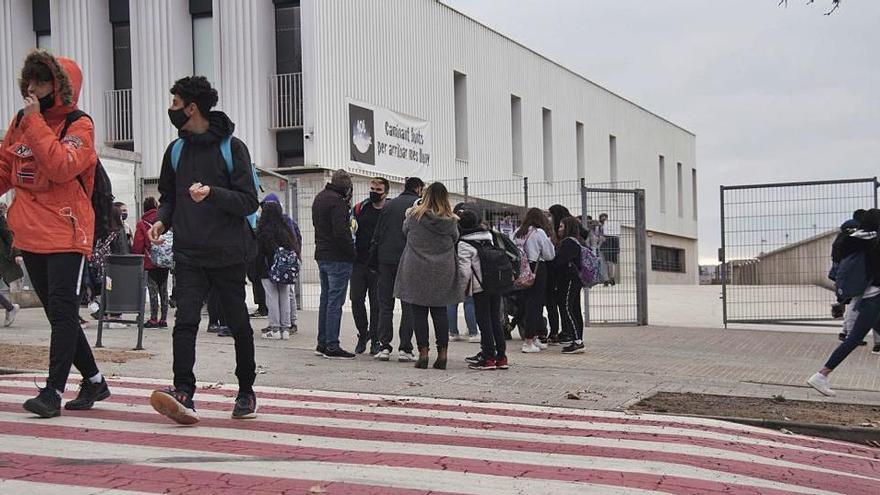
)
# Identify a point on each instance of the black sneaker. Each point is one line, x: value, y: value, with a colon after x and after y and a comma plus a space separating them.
x: 574, y: 348
x: 213, y: 328
x: 258, y: 313
x: 876, y: 349
x: 47, y: 404
x: 89, y: 393
x: 224, y: 332
x: 245, y: 406
x: 375, y: 348
x: 361, y: 346
x: 175, y: 405
x: 476, y: 358
x: 338, y: 353
x: 841, y: 336
x: 319, y: 350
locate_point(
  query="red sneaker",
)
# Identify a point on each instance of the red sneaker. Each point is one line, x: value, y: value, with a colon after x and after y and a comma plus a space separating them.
x: 501, y: 363
x: 483, y: 365
x: 163, y: 324
x: 151, y: 323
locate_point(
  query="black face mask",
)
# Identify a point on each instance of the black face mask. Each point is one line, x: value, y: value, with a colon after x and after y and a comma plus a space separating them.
x: 47, y: 102
x: 375, y: 197
x: 178, y: 117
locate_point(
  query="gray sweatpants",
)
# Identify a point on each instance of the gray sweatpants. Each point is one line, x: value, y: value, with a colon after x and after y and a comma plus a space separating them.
x: 278, y: 302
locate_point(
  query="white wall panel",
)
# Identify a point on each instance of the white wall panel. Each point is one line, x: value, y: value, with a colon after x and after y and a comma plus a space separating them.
x: 17, y: 38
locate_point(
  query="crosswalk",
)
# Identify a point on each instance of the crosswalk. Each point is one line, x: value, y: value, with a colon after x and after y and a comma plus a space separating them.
x: 319, y: 442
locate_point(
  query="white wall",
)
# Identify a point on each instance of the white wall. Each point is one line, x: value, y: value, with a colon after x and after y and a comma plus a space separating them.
x: 401, y: 54
x: 17, y: 38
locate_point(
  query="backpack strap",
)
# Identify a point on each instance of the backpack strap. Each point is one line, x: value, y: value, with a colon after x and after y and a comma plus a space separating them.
x: 359, y: 208
x: 69, y: 119
x: 226, y: 151
x: 176, y: 149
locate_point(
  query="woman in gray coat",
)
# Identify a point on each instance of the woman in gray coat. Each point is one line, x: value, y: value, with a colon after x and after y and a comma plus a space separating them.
x: 428, y: 275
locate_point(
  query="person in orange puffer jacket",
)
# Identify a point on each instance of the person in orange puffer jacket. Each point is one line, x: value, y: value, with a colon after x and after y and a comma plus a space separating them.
x: 52, y: 217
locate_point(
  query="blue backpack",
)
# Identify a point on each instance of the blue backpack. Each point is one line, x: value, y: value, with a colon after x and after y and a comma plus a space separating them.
x: 226, y: 151
x: 851, y: 277
x: 285, y: 267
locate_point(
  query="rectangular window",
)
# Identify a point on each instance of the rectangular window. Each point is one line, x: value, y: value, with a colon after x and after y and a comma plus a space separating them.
x: 680, y: 181
x: 42, y: 23
x: 461, y: 115
x: 121, y: 56
x: 666, y: 259
x: 203, y: 46
x: 694, y: 192
x: 547, y: 120
x: 288, y: 38
x: 612, y: 158
x: 662, y: 184
x: 581, y: 154
x: 516, y: 134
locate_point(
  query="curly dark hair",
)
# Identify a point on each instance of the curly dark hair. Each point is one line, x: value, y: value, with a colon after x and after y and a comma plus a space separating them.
x: 198, y: 90
x: 273, y: 231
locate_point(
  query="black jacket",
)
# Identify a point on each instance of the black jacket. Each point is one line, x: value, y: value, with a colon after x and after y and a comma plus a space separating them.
x: 389, y: 239
x: 215, y: 232
x: 330, y: 217
x: 568, y: 257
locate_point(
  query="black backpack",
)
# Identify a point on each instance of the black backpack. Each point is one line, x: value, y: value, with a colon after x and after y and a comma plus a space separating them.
x: 102, y: 194
x: 495, y: 267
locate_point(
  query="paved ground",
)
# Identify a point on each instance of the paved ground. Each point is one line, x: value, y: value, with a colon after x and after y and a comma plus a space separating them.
x: 621, y: 365
x: 310, y: 442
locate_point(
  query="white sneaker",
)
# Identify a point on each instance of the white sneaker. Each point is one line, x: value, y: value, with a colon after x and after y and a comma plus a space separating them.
x: 474, y: 339
x: 540, y: 345
x: 272, y: 335
x: 820, y: 383
x: 530, y: 347
x: 285, y: 335
x: 406, y: 357
x: 10, y: 315
x: 384, y: 355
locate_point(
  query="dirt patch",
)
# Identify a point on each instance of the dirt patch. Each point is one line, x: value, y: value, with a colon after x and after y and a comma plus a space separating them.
x: 35, y: 357
x: 775, y: 408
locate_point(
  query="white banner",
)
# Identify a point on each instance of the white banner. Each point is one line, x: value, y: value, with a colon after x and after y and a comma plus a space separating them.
x: 388, y: 142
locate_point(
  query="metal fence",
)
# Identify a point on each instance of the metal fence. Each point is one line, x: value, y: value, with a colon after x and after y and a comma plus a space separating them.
x: 503, y: 204
x: 776, y: 246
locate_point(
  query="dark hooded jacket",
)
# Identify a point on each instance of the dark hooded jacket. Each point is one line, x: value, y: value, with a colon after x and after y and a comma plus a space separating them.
x: 388, y: 238
x: 215, y: 232
x: 330, y: 217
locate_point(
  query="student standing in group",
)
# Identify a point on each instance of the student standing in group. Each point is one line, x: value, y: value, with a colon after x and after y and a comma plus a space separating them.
x: 388, y: 243
x: 10, y: 266
x: 493, y: 353
x: 297, y: 234
x: 52, y: 216
x: 428, y: 277
x: 157, y: 277
x: 364, y: 279
x: 532, y: 238
x: 334, y: 252
x: 273, y: 233
x: 207, y: 201
x: 565, y: 266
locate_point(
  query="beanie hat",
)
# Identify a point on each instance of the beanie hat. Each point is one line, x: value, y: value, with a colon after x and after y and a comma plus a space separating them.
x: 341, y: 179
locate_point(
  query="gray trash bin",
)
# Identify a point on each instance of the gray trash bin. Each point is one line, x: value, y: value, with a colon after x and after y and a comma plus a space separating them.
x: 124, y: 291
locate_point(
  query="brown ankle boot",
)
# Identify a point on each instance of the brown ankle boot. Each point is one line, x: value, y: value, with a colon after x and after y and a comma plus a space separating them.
x: 422, y: 363
x: 440, y: 363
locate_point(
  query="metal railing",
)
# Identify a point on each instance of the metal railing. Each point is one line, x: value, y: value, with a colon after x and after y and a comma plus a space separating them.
x: 285, y: 101
x: 118, y: 116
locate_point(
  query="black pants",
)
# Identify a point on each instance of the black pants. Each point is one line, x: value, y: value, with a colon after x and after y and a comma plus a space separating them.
x: 551, y: 303
x: 534, y: 299
x: 441, y: 325
x: 385, y: 292
x: 364, y: 284
x: 56, y: 278
x: 488, y: 309
x: 570, y: 309
x: 257, y: 284
x: 193, y: 286
x: 157, y: 283
x: 215, y: 308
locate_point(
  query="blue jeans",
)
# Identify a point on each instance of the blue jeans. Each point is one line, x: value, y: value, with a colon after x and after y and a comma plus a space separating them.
x: 470, y: 317
x: 334, y: 285
x: 869, y: 312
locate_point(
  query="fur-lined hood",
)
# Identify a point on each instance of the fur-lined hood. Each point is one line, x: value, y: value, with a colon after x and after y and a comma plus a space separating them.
x: 68, y: 78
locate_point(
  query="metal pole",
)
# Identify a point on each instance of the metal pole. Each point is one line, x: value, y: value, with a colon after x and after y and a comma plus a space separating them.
x: 526, y: 192
x: 465, y: 189
x: 641, y: 258
x: 876, y: 185
x: 140, y: 317
x: 293, y: 202
x: 723, y: 259
x: 584, y: 225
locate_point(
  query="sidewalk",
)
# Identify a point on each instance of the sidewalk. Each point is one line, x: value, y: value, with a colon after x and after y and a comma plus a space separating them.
x: 621, y: 365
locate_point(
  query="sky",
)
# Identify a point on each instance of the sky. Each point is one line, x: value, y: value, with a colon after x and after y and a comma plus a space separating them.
x: 772, y: 93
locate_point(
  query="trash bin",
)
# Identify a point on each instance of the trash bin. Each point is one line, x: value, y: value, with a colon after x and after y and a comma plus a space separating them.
x: 124, y: 292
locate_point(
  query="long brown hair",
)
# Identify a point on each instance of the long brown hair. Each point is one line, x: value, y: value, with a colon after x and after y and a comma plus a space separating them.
x: 571, y: 227
x: 436, y: 200
x: 536, y: 218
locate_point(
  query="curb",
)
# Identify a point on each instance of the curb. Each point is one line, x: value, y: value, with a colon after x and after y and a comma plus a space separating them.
x: 852, y: 434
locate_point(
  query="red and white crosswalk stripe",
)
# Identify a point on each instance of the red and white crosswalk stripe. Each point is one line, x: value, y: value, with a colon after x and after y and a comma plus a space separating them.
x: 332, y: 442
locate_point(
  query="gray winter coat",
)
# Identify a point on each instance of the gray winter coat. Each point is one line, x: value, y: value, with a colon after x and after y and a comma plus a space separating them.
x: 428, y: 270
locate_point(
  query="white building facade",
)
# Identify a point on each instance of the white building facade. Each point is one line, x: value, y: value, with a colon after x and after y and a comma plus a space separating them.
x: 396, y: 87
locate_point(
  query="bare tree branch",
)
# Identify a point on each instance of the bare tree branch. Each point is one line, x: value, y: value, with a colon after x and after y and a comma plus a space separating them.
x: 835, y: 4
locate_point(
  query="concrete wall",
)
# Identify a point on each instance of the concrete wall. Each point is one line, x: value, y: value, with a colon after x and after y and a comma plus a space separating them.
x: 802, y: 263
x: 691, y: 275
